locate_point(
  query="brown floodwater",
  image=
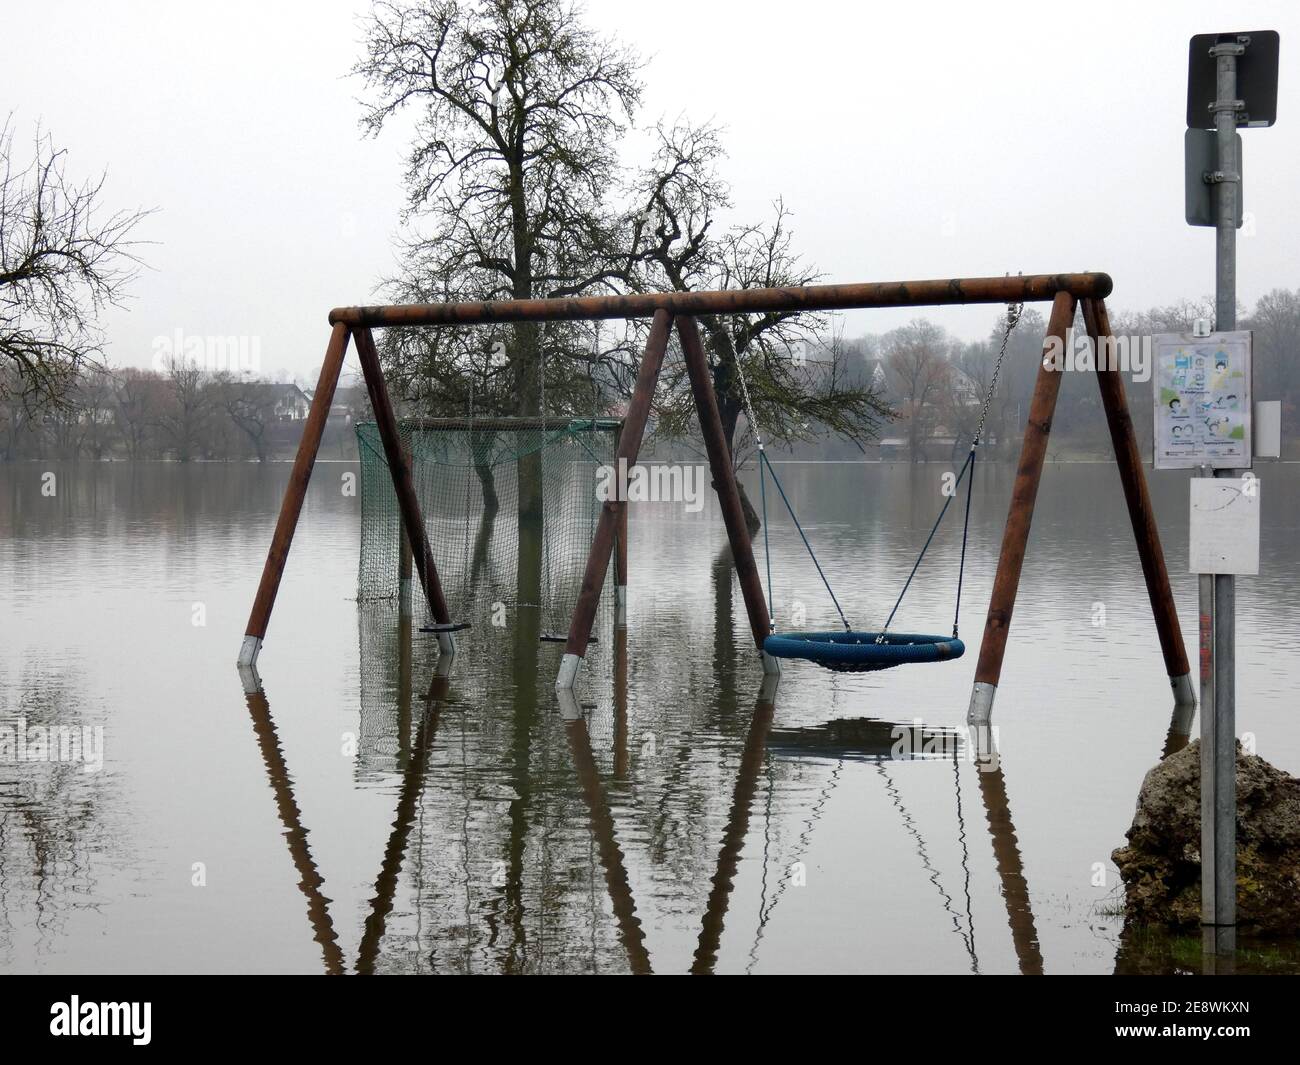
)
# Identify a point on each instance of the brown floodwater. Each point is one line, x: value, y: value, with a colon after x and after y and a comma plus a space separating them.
x: 371, y: 811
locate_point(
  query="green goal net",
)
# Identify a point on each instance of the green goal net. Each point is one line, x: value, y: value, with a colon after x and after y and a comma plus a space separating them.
x: 509, y: 506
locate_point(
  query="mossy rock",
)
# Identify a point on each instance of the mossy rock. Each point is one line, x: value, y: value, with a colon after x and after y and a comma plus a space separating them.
x: 1161, y: 866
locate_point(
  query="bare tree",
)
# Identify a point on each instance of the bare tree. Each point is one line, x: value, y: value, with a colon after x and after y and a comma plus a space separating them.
x: 250, y: 405
x: 137, y: 394
x: 802, y: 383
x: 917, y: 364
x: 63, y: 259
x: 519, y: 109
x: 191, y: 400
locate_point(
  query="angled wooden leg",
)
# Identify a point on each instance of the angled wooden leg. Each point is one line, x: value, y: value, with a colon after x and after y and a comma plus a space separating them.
x: 602, y: 543
x: 291, y: 508
x: 1016, y: 534
x: 1140, y: 511
x: 724, y: 481
x: 620, y: 570
x: 412, y: 521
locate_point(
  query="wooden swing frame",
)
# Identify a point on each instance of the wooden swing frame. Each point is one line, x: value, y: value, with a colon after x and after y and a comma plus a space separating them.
x: 669, y: 310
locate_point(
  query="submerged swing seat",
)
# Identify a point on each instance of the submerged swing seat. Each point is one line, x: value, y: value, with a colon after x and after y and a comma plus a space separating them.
x: 863, y: 652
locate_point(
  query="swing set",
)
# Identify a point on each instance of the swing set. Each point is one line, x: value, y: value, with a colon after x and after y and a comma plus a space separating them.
x: 848, y: 650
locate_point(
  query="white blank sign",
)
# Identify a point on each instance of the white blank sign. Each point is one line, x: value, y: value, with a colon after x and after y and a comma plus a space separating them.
x: 1224, y: 525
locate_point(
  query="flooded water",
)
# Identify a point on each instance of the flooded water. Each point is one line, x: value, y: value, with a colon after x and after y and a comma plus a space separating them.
x: 364, y: 814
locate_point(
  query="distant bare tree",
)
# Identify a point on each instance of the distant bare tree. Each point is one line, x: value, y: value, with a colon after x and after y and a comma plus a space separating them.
x: 137, y: 394
x: 250, y: 405
x: 191, y: 401
x: 62, y: 261
x: 916, y: 360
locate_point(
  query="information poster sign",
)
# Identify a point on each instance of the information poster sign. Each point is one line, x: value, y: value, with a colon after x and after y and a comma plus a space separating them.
x: 1202, y: 400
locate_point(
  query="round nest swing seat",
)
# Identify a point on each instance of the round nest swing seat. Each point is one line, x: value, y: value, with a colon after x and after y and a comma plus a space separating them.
x: 862, y: 652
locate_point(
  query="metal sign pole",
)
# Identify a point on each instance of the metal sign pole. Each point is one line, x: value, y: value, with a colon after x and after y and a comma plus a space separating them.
x: 1218, y: 717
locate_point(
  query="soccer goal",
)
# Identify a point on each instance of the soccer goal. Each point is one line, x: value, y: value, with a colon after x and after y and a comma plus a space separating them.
x: 472, y: 478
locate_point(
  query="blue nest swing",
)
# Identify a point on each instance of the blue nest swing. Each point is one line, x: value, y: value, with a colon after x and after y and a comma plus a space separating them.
x: 851, y: 650
x: 862, y: 652
x: 854, y: 651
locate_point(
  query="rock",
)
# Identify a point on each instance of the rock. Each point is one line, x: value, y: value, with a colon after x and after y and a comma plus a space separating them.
x: 1161, y: 866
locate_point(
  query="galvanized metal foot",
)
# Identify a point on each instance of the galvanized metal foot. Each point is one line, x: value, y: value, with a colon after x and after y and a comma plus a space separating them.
x: 568, y: 672
x: 980, y: 711
x: 1184, y: 690
x: 249, y: 650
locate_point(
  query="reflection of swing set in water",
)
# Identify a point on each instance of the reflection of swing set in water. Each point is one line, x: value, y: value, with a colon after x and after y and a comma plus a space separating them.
x: 848, y: 650
x: 867, y: 741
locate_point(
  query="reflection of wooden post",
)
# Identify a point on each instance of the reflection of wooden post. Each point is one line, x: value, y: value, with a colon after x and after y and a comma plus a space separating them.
x: 724, y: 481
x: 602, y: 827
x: 620, y: 705
x: 413, y: 779
x: 733, y: 836
x: 310, y: 881
x: 401, y: 472
x: 1006, y: 855
x: 1140, y: 511
x: 294, y: 493
x: 602, y: 543
x: 1016, y: 535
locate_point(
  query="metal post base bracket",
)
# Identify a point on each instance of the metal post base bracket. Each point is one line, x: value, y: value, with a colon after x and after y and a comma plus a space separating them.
x: 620, y: 605
x: 980, y: 711
x: 1184, y: 690
x: 249, y: 650
x: 771, y: 665
x: 568, y: 672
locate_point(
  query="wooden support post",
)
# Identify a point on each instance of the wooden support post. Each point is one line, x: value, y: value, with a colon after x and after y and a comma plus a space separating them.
x: 404, y: 597
x: 291, y: 508
x: 620, y: 559
x: 602, y: 543
x: 412, y: 522
x: 724, y: 482
x: 1142, y: 515
x: 1016, y: 534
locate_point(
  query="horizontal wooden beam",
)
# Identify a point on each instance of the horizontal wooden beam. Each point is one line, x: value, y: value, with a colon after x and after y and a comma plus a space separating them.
x: 1031, y: 288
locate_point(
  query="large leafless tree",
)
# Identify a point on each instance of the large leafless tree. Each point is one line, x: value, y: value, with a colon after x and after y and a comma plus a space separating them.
x: 64, y: 257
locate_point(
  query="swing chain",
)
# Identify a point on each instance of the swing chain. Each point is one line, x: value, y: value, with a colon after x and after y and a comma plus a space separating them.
x: 750, y: 414
x: 1014, y: 310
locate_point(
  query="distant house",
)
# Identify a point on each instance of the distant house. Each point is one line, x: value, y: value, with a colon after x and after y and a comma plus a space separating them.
x: 287, y: 403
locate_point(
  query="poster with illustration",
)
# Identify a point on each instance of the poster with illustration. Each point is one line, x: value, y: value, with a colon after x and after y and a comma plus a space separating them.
x: 1202, y: 400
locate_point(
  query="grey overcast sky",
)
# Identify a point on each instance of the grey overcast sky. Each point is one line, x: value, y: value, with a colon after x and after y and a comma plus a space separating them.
x: 910, y: 140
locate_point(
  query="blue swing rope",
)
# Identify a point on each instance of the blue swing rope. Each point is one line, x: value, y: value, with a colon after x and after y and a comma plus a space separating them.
x: 767, y: 551
x: 965, y: 467
x: 762, y: 458
x: 968, y: 467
